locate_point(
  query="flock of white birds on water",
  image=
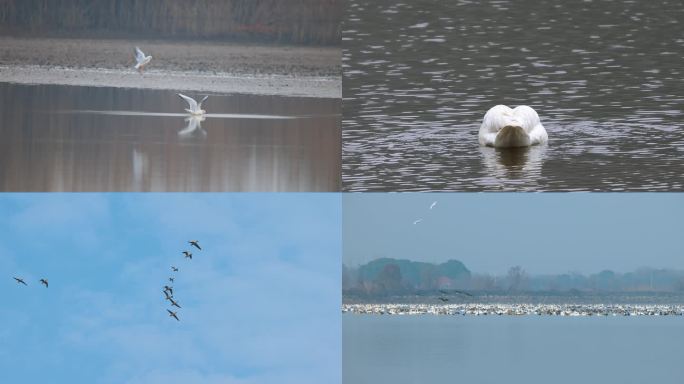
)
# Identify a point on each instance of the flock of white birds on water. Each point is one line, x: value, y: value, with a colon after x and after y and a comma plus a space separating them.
x: 500, y: 309
x: 168, y: 288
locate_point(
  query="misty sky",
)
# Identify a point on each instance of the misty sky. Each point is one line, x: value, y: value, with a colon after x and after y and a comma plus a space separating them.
x: 260, y: 303
x: 544, y: 233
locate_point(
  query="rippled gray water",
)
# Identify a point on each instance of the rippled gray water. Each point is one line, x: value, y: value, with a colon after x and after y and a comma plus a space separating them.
x: 605, y: 77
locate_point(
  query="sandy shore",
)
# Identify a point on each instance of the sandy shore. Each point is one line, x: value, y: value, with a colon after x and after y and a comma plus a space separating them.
x: 184, y: 66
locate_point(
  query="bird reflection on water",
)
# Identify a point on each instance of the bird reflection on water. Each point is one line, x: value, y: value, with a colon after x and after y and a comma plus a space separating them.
x: 193, y: 127
x: 523, y: 163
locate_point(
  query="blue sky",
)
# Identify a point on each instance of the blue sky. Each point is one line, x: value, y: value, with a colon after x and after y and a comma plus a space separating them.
x: 260, y: 303
x: 543, y: 233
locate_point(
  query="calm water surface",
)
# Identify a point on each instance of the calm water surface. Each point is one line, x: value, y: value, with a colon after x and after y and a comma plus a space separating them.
x: 605, y: 77
x: 510, y: 349
x: 60, y: 138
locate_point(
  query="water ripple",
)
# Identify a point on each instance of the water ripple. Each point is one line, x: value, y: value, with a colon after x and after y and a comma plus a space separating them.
x: 606, y: 80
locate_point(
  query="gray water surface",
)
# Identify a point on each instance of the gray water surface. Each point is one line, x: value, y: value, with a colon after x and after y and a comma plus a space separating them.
x: 65, y: 138
x: 604, y: 76
x: 511, y: 349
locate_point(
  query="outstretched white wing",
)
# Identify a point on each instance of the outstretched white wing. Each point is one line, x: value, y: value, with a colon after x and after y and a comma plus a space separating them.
x: 139, y: 55
x: 202, y: 101
x: 191, y: 102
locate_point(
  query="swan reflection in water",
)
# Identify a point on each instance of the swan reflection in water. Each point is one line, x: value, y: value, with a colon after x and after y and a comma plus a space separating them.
x: 524, y: 163
x: 193, y: 127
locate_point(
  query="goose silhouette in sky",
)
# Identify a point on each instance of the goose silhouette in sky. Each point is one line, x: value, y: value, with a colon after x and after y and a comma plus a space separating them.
x: 503, y: 127
x: 195, y: 244
x: 173, y: 314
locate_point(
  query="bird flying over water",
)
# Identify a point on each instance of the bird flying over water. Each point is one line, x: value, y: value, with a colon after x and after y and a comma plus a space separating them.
x: 195, y: 243
x: 195, y: 108
x: 174, y: 269
x: 187, y: 254
x: 417, y: 221
x: 444, y: 299
x: 20, y: 281
x: 433, y: 204
x: 141, y: 60
x: 44, y: 282
x: 173, y: 314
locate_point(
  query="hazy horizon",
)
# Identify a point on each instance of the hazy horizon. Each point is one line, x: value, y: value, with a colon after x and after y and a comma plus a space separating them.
x: 543, y: 233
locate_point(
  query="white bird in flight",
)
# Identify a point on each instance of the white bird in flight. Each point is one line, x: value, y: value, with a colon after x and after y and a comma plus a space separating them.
x: 433, y: 204
x: 141, y: 60
x: 195, y: 108
x: 503, y: 127
x: 417, y: 221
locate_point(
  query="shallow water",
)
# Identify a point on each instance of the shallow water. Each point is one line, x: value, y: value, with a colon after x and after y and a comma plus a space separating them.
x: 516, y: 349
x: 62, y: 138
x: 604, y: 76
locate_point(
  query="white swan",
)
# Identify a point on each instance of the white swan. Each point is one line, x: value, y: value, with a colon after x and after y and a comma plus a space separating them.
x: 503, y: 127
x: 195, y: 108
x: 141, y: 59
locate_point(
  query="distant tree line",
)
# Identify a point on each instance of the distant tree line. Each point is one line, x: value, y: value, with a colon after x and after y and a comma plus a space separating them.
x: 387, y: 276
x: 278, y: 21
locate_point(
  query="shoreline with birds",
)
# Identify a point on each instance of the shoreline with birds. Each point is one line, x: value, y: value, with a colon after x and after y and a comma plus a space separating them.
x: 182, y: 66
x: 527, y: 309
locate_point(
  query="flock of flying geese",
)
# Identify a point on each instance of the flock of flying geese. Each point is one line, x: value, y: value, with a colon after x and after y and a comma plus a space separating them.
x: 195, y: 108
x: 21, y: 281
x: 168, y: 289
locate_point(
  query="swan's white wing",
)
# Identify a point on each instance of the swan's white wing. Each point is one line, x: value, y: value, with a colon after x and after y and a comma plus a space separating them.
x: 139, y: 55
x: 538, y: 135
x: 191, y: 102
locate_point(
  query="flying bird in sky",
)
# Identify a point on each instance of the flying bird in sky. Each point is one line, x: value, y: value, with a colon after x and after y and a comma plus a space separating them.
x: 20, y: 281
x: 44, y: 282
x: 174, y: 303
x: 171, y: 279
x: 433, y: 204
x: 169, y: 289
x: 417, y: 221
x: 173, y: 314
x: 141, y: 60
x: 187, y: 254
x: 195, y: 243
x: 174, y: 269
x: 166, y: 293
x: 195, y: 108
